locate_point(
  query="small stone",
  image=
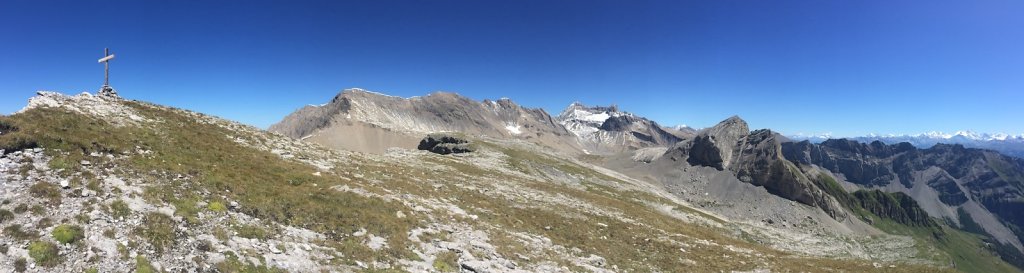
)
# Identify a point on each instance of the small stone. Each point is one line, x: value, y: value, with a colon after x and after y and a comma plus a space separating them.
x: 233, y: 205
x: 65, y: 184
x: 274, y: 249
x: 85, y: 163
x: 547, y: 227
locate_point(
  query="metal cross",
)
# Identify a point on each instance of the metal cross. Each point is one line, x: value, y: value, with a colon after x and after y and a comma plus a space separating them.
x: 106, y: 65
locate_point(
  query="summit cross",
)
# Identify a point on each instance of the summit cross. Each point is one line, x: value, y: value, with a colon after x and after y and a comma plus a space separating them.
x: 106, y: 65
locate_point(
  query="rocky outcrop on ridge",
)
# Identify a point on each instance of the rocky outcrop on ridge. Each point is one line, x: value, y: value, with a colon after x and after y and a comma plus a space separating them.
x: 756, y: 158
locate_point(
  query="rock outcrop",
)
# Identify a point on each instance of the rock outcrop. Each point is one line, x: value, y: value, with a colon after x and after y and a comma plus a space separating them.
x: 715, y: 146
x: 756, y: 158
x: 445, y: 144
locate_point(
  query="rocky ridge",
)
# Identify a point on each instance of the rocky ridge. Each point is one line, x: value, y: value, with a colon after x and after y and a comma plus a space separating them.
x: 362, y: 120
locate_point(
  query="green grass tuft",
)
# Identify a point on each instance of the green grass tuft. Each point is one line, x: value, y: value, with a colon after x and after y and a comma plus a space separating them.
x: 251, y: 232
x: 47, y: 191
x: 44, y: 253
x: 157, y: 229
x: 216, y: 206
x: 67, y: 234
x: 120, y: 209
x: 446, y: 261
x: 16, y: 232
x: 142, y: 265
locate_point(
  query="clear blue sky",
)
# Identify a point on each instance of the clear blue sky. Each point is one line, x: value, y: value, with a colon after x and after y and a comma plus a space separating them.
x: 846, y: 67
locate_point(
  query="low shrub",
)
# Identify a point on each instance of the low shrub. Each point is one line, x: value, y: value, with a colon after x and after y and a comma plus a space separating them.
x: 45, y: 253
x: 120, y: 209
x: 216, y: 206
x: 251, y: 232
x: 47, y: 191
x: 142, y: 265
x: 6, y: 215
x: 158, y: 230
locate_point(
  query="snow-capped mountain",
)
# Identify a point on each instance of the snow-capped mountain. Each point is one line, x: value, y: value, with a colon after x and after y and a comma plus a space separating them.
x: 602, y: 129
x: 1007, y: 144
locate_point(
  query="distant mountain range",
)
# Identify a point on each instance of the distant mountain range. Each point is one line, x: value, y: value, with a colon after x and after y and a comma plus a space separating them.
x: 1012, y: 145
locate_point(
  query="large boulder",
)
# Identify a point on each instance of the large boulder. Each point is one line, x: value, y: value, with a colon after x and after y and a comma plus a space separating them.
x: 445, y: 144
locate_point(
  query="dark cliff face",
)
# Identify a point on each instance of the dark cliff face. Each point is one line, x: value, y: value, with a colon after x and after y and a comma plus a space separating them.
x: 956, y: 173
x: 860, y: 163
x: 759, y: 161
x: 756, y: 158
x: 715, y: 146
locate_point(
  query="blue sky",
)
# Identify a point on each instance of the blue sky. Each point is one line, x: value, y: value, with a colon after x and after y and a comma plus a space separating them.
x: 845, y: 67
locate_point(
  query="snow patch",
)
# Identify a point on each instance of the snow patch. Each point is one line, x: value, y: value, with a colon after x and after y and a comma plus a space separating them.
x: 513, y: 129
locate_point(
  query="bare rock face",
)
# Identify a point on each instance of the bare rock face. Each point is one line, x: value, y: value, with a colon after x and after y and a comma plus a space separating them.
x: 445, y: 144
x: 362, y: 120
x: 755, y: 158
x: 715, y: 146
x: 760, y: 162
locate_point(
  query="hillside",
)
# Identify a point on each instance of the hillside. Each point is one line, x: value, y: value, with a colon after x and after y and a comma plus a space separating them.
x: 366, y: 121
x: 118, y: 185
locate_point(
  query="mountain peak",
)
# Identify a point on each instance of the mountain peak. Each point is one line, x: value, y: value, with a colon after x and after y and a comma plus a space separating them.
x: 604, y: 129
x: 734, y: 124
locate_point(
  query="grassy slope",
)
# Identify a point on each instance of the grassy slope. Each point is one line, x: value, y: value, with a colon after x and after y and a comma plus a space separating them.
x: 283, y: 191
x: 261, y: 182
